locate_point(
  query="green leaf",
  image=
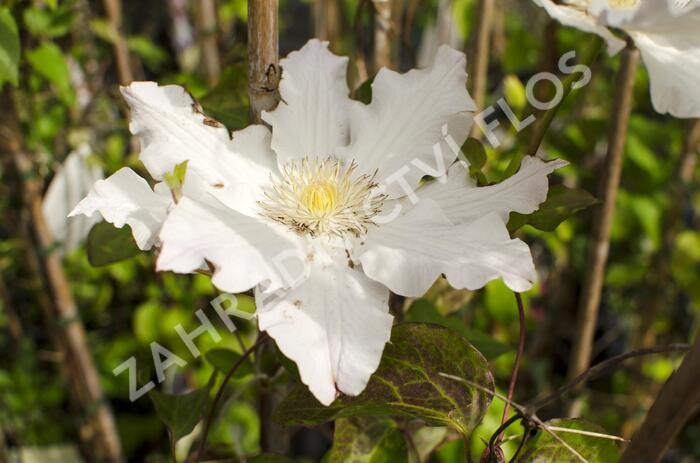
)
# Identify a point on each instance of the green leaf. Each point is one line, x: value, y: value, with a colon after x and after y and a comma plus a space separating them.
x: 363, y: 93
x: 180, y: 413
x: 269, y: 458
x: 152, y: 55
x: 48, y: 60
x: 562, y: 202
x: 515, y: 94
x: 224, y: 359
x: 228, y: 101
x: 544, y: 448
x: 45, y: 23
x: 107, y: 244
x: 9, y: 48
x: 475, y: 155
x: 409, y: 382
x: 104, y: 30
x: 422, y: 310
x: 367, y: 440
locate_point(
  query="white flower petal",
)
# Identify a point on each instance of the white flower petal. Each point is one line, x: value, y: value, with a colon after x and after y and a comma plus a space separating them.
x: 575, y: 17
x: 244, y: 250
x: 462, y: 202
x: 311, y: 119
x: 126, y: 198
x: 403, y: 132
x: 670, y: 47
x: 334, y: 326
x: 408, y: 254
x: 674, y: 66
x: 172, y: 129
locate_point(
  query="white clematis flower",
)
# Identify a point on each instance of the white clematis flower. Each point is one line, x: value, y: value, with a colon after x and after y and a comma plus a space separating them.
x: 326, y: 214
x: 665, y: 31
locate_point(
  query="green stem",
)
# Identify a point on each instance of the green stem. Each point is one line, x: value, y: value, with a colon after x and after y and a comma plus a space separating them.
x: 207, y: 425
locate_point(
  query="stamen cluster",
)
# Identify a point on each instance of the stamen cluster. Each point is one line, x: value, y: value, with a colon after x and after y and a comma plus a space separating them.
x: 323, y: 197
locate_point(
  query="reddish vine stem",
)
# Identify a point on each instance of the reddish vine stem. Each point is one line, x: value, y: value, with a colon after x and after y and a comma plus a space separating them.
x: 212, y: 411
x: 518, y: 356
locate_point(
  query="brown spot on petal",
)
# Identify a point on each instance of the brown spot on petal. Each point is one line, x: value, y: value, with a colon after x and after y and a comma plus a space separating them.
x: 297, y: 303
x: 212, y: 122
x: 218, y: 185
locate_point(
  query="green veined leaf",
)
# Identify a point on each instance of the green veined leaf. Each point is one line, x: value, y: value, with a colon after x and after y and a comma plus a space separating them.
x: 9, y: 48
x: 224, y: 359
x: 422, y: 310
x: 409, y: 382
x: 180, y: 413
x: 367, y: 440
x: 545, y: 448
x: 562, y: 202
x: 107, y: 244
x: 48, y: 60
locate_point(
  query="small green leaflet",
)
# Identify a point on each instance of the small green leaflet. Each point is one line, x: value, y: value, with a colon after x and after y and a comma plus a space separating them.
x: 176, y: 179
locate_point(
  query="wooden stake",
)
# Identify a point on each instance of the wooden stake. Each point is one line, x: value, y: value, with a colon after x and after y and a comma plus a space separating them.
x: 480, y: 55
x: 73, y: 338
x: 206, y: 16
x: 121, y: 51
x: 326, y: 21
x: 599, y: 246
x: 675, y: 405
x: 382, y: 35
x: 264, y: 72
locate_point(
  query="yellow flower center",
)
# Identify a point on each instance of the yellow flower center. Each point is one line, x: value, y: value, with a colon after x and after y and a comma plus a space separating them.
x: 319, y: 197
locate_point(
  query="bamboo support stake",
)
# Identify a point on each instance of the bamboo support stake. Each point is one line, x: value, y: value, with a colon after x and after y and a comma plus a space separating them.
x: 599, y: 246
x: 480, y: 56
x: 677, y: 402
x: 382, y: 35
x: 208, y: 38
x: 73, y: 332
x: 264, y: 72
x: 121, y: 51
x: 326, y: 20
